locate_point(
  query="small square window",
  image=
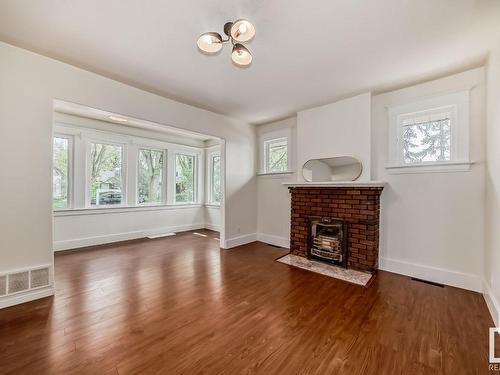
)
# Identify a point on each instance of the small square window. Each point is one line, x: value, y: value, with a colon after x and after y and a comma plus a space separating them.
x: 430, y: 135
x: 426, y: 138
x: 276, y: 155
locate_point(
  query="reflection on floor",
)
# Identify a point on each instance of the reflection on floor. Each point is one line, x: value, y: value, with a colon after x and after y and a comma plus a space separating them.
x: 180, y: 305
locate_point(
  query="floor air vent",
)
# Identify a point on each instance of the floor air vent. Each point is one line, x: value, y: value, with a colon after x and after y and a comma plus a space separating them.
x: 40, y: 277
x: 19, y: 282
x: 428, y: 282
x: 23, y: 281
x: 3, y: 285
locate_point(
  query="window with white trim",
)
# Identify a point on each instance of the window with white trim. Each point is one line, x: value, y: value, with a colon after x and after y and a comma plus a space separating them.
x: 105, y: 174
x: 276, y: 155
x: 214, y: 178
x: 150, y: 176
x: 61, y: 180
x: 97, y: 169
x: 430, y: 135
x: 185, y: 178
x: 426, y: 136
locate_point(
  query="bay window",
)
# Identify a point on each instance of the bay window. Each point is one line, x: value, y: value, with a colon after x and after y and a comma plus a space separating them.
x: 184, y: 178
x: 105, y: 170
x: 96, y: 169
x: 61, y: 172
x: 214, y: 179
x: 150, y: 176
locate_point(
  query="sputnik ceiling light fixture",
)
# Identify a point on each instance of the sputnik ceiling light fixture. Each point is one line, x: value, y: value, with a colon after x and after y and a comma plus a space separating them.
x: 237, y: 32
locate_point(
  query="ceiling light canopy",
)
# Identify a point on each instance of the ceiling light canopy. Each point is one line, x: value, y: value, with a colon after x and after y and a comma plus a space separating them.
x: 237, y: 32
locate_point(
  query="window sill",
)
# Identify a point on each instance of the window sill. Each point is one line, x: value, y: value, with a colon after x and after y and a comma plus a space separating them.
x: 274, y: 173
x: 212, y: 205
x: 442, y: 167
x: 123, y: 209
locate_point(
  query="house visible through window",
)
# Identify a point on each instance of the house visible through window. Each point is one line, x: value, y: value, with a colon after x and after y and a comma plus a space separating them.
x: 98, y: 169
x: 276, y: 155
x: 215, y: 186
x: 426, y: 138
x: 60, y: 175
x: 184, y: 178
x: 105, y: 174
x: 150, y: 176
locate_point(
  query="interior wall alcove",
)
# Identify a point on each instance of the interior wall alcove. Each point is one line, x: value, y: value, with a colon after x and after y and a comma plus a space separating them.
x: 119, y: 178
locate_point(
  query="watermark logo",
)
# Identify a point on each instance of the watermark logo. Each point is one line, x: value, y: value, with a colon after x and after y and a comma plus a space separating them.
x: 494, y: 361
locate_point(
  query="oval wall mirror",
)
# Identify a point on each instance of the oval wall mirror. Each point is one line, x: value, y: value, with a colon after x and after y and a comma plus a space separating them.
x: 341, y: 168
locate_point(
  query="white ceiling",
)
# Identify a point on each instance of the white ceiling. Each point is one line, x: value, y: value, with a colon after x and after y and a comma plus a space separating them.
x: 62, y: 106
x: 306, y: 53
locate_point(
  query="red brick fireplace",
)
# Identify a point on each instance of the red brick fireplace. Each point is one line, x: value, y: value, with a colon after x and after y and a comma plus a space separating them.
x: 355, y: 206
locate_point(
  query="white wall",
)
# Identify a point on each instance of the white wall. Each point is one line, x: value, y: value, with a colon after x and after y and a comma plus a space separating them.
x: 338, y: 129
x: 29, y: 84
x: 94, y: 227
x: 211, y: 218
x: 273, y: 199
x: 492, y: 255
x: 433, y: 223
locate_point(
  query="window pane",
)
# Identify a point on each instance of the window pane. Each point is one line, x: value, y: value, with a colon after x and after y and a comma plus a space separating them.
x: 216, y: 194
x: 184, y: 178
x: 277, y: 156
x: 60, y: 185
x: 150, y: 176
x: 105, y: 174
x: 427, y: 141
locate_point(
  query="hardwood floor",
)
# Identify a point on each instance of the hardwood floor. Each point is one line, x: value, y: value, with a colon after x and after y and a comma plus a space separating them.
x: 179, y: 305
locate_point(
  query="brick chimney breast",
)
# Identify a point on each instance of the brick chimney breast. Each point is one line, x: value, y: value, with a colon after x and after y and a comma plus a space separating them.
x: 358, y: 206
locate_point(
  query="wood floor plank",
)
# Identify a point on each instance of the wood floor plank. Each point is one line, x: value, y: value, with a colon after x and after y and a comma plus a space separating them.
x: 180, y: 305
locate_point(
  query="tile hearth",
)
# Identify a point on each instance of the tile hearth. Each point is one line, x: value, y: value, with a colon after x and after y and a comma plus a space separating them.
x: 349, y: 275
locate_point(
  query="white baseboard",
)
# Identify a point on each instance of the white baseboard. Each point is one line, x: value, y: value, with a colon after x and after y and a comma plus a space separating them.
x: 274, y: 240
x: 31, y: 295
x: 214, y: 227
x: 99, y: 240
x: 240, y: 240
x: 438, y: 275
x: 492, y: 303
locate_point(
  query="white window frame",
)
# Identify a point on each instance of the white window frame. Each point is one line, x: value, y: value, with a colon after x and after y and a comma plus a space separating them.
x: 70, y: 139
x: 196, y: 182
x: 457, y: 104
x: 210, y: 165
x: 164, y: 176
x: 273, y: 136
x: 82, y: 137
x: 111, y: 142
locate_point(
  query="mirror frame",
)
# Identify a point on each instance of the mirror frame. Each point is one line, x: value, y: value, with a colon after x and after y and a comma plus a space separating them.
x: 335, y: 157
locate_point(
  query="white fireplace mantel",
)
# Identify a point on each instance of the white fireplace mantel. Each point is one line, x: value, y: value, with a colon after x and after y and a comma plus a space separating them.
x: 335, y: 184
